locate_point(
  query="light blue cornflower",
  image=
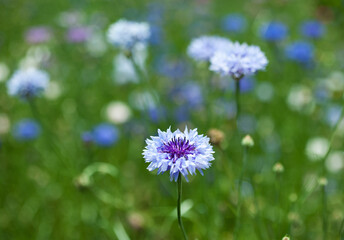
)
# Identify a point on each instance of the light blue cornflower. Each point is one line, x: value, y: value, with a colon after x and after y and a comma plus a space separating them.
x: 28, y: 83
x: 300, y: 51
x: 203, y: 48
x: 234, y: 23
x: 26, y: 129
x: 126, y: 34
x: 178, y: 152
x: 274, y: 31
x: 105, y: 135
x: 238, y: 60
x: 312, y: 29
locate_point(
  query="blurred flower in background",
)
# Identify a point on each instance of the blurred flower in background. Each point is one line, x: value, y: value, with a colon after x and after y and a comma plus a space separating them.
x: 105, y: 135
x: 300, y: 98
x: 123, y: 68
x: 203, y: 48
x: 26, y: 129
x: 118, y: 112
x: 335, y: 84
x: 333, y: 113
x: 300, y: 51
x: 312, y: 29
x: 234, y: 23
x: 335, y: 162
x: 189, y: 93
x: 53, y: 90
x: 78, y: 34
x: 273, y: 31
x: 316, y: 148
x: 40, y: 34
x: 238, y: 60
x: 126, y: 34
x: 28, y: 83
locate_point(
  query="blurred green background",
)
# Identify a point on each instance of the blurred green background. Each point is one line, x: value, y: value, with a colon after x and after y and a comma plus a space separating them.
x: 73, y: 190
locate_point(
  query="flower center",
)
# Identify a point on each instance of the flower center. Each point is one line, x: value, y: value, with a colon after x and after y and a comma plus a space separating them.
x: 177, y: 148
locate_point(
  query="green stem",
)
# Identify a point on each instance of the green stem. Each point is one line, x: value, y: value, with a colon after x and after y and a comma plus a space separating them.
x: 237, y: 98
x: 277, y: 202
x: 137, y: 68
x: 238, y: 222
x: 324, y: 212
x: 178, y: 207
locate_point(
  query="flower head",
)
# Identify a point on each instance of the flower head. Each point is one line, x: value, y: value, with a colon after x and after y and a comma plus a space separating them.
x: 78, y: 34
x: 26, y: 129
x: 235, y: 23
x: 300, y: 51
x: 312, y: 29
x: 38, y: 34
x: 27, y: 83
x: 105, y: 135
x: 179, y: 152
x: 203, y: 48
x: 238, y: 60
x: 274, y: 31
x: 126, y: 34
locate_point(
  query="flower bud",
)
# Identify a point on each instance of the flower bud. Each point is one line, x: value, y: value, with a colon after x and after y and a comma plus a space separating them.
x: 247, y: 141
x: 286, y: 238
x: 322, y: 181
x: 216, y: 136
x: 278, y: 168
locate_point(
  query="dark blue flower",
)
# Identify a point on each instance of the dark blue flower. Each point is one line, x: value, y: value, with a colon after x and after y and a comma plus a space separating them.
x: 312, y: 29
x: 274, y: 31
x: 300, y: 51
x: 26, y: 129
x: 105, y: 135
x: 234, y: 22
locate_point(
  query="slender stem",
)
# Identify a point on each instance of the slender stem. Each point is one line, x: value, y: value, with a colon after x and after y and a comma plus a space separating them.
x: 237, y: 98
x: 324, y: 212
x: 238, y: 222
x: 277, y: 202
x: 137, y: 68
x: 178, y: 207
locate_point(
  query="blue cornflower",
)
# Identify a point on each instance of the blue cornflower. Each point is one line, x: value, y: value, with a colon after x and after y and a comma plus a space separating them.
x: 178, y: 152
x: 189, y: 94
x: 105, y: 135
x: 274, y: 31
x: 234, y: 22
x: 238, y: 60
x: 126, y: 34
x: 27, y: 83
x: 203, y: 48
x: 300, y: 51
x: 26, y: 129
x: 312, y: 29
